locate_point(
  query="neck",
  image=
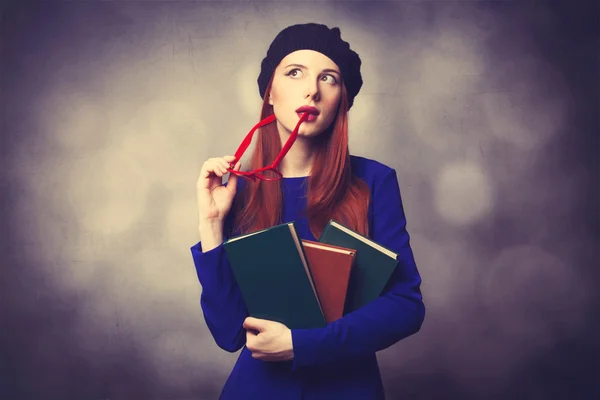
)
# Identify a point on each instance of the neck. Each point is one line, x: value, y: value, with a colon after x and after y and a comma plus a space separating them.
x: 298, y: 161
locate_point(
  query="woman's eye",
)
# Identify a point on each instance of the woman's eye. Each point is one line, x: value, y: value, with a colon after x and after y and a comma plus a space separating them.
x: 329, y: 79
x: 295, y: 73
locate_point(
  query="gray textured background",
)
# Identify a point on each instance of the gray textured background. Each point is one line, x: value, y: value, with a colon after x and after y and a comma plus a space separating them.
x: 488, y: 111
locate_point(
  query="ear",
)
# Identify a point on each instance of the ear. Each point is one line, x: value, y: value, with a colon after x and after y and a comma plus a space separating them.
x: 270, y: 99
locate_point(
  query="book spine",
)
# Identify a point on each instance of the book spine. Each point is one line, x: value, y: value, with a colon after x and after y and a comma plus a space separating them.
x: 312, y: 278
x: 325, y: 230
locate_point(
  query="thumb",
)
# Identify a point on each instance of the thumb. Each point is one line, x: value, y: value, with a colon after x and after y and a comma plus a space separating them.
x: 254, y: 323
x: 232, y: 181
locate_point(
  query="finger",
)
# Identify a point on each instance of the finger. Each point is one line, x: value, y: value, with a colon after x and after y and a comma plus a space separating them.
x: 247, y: 322
x: 208, y: 167
x: 233, y: 178
x: 251, y: 339
x: 222, y: 168
x: 232, y: 182
x: 224, y: 164
x: 228, y: 161
x: 204, y: 175
x: 217, y: 171
x: 216, y: 164
x: 213, y: 166
x: 253, y: 323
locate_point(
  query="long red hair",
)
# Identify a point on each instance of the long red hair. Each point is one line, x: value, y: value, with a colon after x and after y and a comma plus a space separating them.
x: 334, y: 192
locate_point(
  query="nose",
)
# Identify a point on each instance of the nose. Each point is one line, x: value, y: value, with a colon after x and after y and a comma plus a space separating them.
x: 313, y: 90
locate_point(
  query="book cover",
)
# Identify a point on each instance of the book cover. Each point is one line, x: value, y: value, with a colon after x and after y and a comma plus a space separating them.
x: 373, y: 268
x: 274, y: 278
x: 330, y: 267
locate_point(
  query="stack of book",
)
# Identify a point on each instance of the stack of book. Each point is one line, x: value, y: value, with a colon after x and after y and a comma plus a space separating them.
x: 307, y: 284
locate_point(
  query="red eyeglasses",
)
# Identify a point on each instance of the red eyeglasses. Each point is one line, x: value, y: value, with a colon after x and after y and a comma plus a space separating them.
x: 269, y: 173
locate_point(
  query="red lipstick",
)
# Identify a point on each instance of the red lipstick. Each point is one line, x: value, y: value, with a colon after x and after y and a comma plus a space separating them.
x: 313, y: 112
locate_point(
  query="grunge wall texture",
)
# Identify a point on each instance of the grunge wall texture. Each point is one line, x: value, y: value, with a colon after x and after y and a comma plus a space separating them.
x: 487, y: 110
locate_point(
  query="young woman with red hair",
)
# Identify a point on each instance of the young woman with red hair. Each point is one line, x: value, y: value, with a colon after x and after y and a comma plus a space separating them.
x: 308, y: 82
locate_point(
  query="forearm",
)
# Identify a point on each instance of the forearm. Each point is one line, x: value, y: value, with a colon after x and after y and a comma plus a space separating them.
x: 211, y: 234
x: 374, y: 327
x: 221, y: 300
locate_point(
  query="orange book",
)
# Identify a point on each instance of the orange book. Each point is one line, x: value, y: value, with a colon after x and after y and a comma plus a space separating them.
x: 330, y: 267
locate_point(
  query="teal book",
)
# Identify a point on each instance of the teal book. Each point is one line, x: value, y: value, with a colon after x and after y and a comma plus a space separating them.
x: 373, y: 267
x: 274, y: 277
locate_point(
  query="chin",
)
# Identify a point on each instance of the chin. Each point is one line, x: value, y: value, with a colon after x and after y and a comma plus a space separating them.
x: 309, y: 132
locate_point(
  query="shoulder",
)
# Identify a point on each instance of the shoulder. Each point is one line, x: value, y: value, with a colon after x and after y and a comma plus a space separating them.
x: 370, y: 171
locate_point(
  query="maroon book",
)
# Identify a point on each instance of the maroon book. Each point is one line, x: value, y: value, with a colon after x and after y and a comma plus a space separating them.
x: 330, y: 267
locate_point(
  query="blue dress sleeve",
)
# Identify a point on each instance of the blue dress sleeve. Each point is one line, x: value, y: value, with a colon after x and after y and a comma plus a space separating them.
x: 221, y: 300
x: 396, y: 314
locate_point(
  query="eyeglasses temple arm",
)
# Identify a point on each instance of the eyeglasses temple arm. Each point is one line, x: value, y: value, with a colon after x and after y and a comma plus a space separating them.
x: 289, y: 142
x: 248, y: 139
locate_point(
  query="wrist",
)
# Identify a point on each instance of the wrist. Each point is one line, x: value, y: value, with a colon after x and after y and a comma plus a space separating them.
x: 211, y: 234
x: 210, y: 225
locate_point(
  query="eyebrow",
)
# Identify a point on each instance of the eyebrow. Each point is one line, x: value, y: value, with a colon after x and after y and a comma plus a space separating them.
x: 325, y: 70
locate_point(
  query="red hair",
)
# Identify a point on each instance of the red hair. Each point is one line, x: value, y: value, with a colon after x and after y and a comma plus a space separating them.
x: 334, y: 192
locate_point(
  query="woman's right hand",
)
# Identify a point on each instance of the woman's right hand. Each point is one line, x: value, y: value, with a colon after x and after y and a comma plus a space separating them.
x: 214, y: 198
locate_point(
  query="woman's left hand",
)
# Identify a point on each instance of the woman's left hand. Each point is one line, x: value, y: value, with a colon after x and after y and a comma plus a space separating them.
x: 273, y: 342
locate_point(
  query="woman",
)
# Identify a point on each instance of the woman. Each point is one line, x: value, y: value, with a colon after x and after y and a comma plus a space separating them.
x: 308, y: 69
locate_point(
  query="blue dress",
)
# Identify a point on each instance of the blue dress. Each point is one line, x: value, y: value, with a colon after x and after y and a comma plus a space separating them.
x: 337, y: 361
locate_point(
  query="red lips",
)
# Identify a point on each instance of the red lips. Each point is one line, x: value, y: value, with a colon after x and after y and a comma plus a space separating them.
x: 310, y: 110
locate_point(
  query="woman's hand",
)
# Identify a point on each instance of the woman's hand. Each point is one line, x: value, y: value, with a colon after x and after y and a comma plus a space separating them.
x: 214, y: 199
x: 273, y: 342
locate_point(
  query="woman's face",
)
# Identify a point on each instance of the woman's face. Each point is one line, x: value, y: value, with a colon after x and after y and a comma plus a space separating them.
x: 305, y: 78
